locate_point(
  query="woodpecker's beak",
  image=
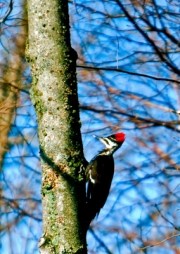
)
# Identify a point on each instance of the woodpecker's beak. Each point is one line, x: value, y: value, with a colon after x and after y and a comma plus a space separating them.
x: 100, y: 138
x: 97, y: 137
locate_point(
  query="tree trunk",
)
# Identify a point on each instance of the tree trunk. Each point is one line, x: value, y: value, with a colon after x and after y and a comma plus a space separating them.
x: 54, y: 95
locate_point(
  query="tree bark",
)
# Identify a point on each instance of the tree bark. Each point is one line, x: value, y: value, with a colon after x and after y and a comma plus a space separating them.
x: 54, y: 95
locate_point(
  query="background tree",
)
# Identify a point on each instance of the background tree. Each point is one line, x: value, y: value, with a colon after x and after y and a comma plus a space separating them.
x: 128, y: 75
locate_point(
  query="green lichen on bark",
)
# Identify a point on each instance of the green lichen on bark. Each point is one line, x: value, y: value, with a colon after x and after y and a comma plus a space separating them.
x: 54, y: 96
x: 55, y: 212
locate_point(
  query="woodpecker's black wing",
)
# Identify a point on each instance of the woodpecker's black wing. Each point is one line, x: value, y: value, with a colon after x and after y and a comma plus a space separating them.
x: 99, y: 174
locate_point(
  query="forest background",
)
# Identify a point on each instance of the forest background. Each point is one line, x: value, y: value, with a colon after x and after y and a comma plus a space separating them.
x: 128, y: 80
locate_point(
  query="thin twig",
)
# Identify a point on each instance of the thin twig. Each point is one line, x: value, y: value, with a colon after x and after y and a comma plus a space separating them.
x: 153, y: 245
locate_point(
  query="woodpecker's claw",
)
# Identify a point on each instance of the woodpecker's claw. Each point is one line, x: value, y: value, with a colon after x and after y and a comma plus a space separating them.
x: 82, y: 168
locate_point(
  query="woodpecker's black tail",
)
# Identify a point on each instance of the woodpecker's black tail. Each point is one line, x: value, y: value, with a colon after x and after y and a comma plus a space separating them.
x: 92, y: 211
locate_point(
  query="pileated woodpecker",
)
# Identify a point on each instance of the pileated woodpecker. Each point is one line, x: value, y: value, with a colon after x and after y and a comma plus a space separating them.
x: 99, y: 174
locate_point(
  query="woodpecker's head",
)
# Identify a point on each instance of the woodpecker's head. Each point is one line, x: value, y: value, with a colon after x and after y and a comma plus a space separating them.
x: 112, y: 142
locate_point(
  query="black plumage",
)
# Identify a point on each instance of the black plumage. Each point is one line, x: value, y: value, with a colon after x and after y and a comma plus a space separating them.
x: 99, y: 174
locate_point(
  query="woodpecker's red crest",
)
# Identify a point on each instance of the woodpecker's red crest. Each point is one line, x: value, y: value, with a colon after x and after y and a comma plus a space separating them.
x: 120, y: 137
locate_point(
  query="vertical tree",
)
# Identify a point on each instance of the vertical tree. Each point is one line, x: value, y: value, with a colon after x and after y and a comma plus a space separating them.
x: 54, y: 95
